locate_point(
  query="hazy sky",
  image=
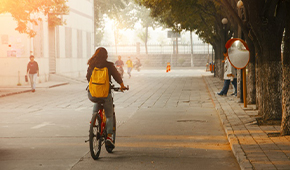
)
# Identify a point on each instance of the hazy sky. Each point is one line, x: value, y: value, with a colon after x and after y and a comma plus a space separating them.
x: 156, y: 36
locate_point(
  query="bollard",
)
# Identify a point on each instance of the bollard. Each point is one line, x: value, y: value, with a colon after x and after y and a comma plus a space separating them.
x: 18, y: 84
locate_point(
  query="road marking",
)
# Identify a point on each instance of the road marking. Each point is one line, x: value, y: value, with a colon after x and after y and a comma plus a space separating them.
x: 40, y: 125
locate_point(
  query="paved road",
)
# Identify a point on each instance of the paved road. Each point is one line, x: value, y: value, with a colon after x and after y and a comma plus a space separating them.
x: 165, y: 121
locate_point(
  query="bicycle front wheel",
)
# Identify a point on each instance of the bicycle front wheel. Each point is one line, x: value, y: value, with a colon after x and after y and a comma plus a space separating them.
x: 95, y: 136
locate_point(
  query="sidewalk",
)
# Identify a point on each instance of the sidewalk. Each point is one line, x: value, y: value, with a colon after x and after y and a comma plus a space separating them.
x: 7, y: 91
x: 255, y: 147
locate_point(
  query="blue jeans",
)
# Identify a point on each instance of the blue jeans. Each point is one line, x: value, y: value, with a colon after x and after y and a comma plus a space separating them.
x: 234, y: 82
x: 32, y: 78
x: 226, y: 87
x: 129, y: 71
x: 109, y: 110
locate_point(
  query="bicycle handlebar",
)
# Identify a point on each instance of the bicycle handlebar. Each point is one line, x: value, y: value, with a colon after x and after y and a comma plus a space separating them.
x: 118, y: 89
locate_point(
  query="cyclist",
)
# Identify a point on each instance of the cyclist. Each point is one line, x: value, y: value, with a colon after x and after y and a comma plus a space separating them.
x: 119, y: 65
x: 99, y: 60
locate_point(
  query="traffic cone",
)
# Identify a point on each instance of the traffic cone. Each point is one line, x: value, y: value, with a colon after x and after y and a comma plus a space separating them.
x: 168, y: 67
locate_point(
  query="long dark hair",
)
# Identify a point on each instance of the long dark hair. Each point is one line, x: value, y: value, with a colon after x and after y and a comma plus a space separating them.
x: 100, y: 56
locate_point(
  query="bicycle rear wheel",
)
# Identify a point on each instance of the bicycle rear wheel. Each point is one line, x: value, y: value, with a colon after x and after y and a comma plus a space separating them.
x: 110, y: 149
x: 95, y: 137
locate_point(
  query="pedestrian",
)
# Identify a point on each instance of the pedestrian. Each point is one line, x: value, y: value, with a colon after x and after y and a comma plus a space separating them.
x: 33, y: 72
x: 119, y: 64
x: 129, y: 66
x: 234, y: 81
x: 228, y: 76
x: 137, y: 64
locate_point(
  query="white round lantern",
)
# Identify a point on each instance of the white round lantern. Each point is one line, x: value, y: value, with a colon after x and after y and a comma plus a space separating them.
x: 240, y: 4
x: 224, y: 21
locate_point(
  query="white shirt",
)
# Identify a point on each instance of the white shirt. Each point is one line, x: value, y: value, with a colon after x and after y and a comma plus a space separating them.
x: 228, y: 69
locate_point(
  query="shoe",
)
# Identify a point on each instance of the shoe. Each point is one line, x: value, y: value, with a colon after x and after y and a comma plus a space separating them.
x: 33, y: 90
x: 220, y: 94
x: 109, y: 142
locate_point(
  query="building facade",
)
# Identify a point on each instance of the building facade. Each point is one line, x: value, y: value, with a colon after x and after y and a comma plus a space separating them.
x: 62, y: 50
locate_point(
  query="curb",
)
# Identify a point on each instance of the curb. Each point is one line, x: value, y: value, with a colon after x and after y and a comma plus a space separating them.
x: 12, y: 93
x: 25, y: 91
x: 237, y: 150
x: 56, y: 85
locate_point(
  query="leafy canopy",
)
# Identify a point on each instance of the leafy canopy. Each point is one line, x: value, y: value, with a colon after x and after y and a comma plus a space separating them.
x: 27, y: 12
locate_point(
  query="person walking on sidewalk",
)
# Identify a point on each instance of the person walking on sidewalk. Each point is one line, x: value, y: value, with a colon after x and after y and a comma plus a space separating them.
x: 33, y: 72
x: 129, y: 66
x: 228, y: 76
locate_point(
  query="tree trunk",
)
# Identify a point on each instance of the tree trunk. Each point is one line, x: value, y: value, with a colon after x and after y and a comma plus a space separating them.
x: 218, y: 62
x: 259, y: 94
x: 251, y: 82
x: 267, y: 22
x: 222, y: 51
x: 285, y: 125
x: 191, y: 49
x: 270, y: 76
x: 146, y: 39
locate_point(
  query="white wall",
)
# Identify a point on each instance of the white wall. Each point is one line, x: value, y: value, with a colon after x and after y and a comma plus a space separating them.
x: 13, y: 69
x: 79, y: 18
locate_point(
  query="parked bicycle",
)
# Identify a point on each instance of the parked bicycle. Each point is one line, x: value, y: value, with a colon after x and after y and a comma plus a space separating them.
x: 98, y: 133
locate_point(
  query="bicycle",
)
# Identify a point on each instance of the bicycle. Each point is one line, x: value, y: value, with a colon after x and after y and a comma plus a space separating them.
x: 98, y: 133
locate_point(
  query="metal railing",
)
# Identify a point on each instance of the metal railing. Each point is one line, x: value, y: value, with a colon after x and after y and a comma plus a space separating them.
x: 202, y: 48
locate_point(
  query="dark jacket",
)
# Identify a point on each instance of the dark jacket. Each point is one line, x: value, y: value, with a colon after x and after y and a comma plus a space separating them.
x: 111, y: 70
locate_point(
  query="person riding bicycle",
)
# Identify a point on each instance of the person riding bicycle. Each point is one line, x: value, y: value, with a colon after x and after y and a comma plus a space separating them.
x: 120, y: 64
x: 99, y: 60
x: 137, y: 64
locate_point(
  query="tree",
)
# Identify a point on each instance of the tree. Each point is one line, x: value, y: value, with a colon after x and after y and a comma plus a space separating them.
x: 285, y: 125
x: 26, y: 12
x: 108, y: 7
x: 266, y: 21
x: 143, y: 16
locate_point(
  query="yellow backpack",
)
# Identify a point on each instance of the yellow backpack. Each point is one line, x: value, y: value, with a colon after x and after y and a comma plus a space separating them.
x: 99, y: 85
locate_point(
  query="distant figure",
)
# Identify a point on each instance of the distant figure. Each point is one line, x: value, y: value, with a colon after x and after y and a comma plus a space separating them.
x: 137, y: 64
x: 228, y: 76
x: 129, y: 66
x: 33, y: 72
x: 119, y: 64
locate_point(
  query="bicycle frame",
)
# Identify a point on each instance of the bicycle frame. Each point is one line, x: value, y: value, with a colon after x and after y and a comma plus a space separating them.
x: 98, y: 133
x: 101, y: 112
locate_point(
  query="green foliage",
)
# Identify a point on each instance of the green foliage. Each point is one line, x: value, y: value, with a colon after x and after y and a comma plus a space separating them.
x: 201, y: 16
x: 26, y: 12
